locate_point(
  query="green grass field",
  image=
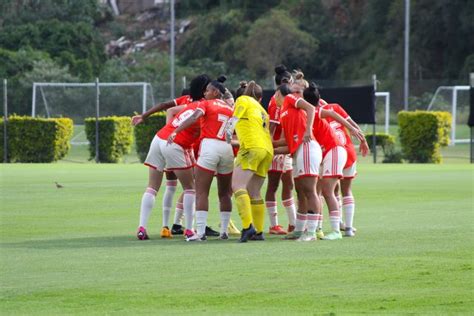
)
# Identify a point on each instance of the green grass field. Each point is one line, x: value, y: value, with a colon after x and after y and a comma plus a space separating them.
x: 73, y: 250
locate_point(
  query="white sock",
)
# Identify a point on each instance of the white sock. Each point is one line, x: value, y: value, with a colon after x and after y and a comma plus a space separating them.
x: 312, y: 223
x: 189, y: 203
x: 148, y: 201
x: 201, y: 222
x: 339, y: 202
x: 168, y: 200
x: 290, y: 210
x: 178, y: 215
x: 225, y: 219
x: 334, y: 219
x: 272, y: 212
x: 348, y: 204
x: 320, y: 221
x: 300, y: 222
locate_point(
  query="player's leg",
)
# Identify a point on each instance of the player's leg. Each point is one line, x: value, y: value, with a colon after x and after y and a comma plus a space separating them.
x: 186, y: 178
x: 307, y: 186
x: 168, y: 195
x: 203, y: 181
x: 177, y: 228
x: 224, y: 191
x: 271, y: 203
x: 257, y: 205
x: 288, y: 200
x: 148, y: 201
x: 348, y: 205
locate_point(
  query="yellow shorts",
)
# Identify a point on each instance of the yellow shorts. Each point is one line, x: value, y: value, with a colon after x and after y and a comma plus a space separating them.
x: 257, y: 160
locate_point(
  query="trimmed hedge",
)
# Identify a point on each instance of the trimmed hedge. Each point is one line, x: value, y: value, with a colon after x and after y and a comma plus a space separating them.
x: 115, y: 137
x: 36, y: 139
x: 145, y: 132
x: 422, y: 133
x: 386, y: 141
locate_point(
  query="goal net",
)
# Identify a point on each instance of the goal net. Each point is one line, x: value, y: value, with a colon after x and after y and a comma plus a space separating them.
x: 80, y: 100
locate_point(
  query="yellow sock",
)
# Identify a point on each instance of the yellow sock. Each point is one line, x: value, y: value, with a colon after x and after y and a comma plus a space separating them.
x: 242, y: 199
x: 258, y: 214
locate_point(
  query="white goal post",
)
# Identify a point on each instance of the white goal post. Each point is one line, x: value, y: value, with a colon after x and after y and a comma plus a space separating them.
x: 146, y: 88
x: 454, y: 105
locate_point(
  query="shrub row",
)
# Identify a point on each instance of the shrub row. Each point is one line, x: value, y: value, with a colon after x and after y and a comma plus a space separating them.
x: 145, y: 132
x: 36, y: 139
x: 115, y: 137
x: 422, y: 133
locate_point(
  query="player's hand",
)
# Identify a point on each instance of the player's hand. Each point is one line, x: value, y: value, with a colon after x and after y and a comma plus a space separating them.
x: 137, y: 119
x: 307, y: 137
x: 171, y: 138
x: 228, y: 136
x: 364, y: 148
x: 357, y: 133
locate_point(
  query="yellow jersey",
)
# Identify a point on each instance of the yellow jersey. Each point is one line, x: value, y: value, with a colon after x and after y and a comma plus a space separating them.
x: 252, y: 128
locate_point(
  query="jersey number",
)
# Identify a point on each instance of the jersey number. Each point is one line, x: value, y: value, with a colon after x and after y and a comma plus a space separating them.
x: 181, y: 118
x: 222, y: 118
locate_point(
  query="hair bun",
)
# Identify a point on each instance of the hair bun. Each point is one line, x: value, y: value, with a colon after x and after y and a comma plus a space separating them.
x: 299, y: 75
x: 280, y: 69
x: 222, y: 78
x: 313, y: 86
x: 243, y: 84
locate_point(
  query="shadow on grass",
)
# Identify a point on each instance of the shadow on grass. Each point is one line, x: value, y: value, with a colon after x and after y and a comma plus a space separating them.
x: 120, y: 241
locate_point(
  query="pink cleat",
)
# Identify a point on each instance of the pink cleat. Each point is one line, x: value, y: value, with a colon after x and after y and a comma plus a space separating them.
x: 141, y: 234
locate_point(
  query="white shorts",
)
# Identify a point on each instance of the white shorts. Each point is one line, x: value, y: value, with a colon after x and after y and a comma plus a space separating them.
x: 172, y: 156
x: 350, y: 172
x: 334, y: 162
x: 216, y: 156
x: 306, y: 160
x: 281, y: 163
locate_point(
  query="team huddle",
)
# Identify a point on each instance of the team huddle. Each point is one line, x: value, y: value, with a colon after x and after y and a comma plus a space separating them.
x: 302, y: 141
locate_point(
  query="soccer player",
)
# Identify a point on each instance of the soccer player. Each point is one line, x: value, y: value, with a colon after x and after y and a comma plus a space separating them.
x: 296, y: 119
x: 281, y: 167
x: 350, y: 168
x: 250, y: 121
x: 334, y: 156
x: 197, y: 88
x: 215, y: 156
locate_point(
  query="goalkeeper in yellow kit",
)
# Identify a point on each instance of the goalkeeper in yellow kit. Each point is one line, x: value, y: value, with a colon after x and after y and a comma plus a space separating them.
x: 255, y: 155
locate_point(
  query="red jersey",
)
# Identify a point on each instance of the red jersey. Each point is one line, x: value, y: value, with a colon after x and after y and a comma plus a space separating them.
x: 182, y: 100
x: 293, y: 122
x: 187, y: 137
x: 216, y: 114
x: 323, y: 133
x: 341, y: 132
x: 274, y: 115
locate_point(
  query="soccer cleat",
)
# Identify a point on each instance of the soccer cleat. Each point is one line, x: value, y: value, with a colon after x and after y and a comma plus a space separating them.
x: 247, y: 233
x: 277, y: 230
x: 232, y: 229
x: 258, y: 237
x: 166, y: 232
x: 320, y: 234
x: 211, y: 232
x: 307, y: 237
x: 291, y: 228
x: 349, y: 232
x: 334, y: 235
x: 177, y: 229
x: 293, y: 235
x: 224, y: 236
x: 141, y: 234
x: 189, y: 235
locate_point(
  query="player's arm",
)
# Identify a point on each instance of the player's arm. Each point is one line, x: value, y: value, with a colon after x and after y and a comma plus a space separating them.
x: 273, y: 127
x: 138, y: 119
x: 364, y: 147
x: 171, y: 112
x: 281, y: 150
x: 186, y: 124
x: 354, y: 131
x: 309, y: 109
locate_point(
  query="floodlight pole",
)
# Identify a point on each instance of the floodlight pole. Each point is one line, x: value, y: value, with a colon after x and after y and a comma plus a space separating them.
x: 407, y: 55
x: 172, y: 50
x: 5, y: 121
x: 97, y: 120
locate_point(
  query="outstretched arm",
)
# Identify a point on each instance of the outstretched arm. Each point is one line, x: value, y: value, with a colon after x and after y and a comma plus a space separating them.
x: 185, y: 124
x: 354, y: 131
x: 309, y: 109
x: 229, y: 128
x: 138, y: 119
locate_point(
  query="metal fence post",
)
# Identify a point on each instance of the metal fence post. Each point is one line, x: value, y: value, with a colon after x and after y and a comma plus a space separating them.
x: 5, y: 122
x: 97, y: 120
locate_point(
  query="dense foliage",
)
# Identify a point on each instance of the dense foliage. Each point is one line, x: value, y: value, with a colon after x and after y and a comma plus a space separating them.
x: 145, y: 132
x: 36, y: 139
x: 337, y: 40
